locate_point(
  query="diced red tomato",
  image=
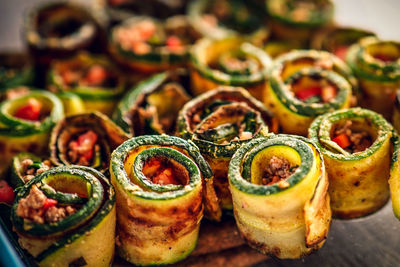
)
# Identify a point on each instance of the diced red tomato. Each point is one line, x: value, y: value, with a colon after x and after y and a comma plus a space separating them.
x: 173, y: 41
x: 342, y: 140
x: 328, y: 93
x: 31, y: 111
x: 6, y: 193
x: 341, y: 51
x: 49, y: 202
x: 151, y: 167
x: 96, y: 75
x: 384, y: 58
x: 86, y: 142
x: 309, y: 92
x: 165, y: 177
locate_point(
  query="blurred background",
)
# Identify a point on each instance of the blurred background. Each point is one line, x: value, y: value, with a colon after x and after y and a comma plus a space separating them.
x: 381, y: 17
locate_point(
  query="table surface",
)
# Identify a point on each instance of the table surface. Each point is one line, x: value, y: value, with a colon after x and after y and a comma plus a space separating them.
x: 370, y: 241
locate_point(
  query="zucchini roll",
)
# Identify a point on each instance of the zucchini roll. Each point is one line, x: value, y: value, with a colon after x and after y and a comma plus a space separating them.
x: 356, y: 144
x: 152, y: 106
x: 376, y: 64
x: 297, y: 20
x: 26, y: 122
x: 92, y: 78
x: 158, y: 181
x: 24, y: 167
x: 66, y: 217
x: 85, y: 139
x: 219, y: 19
x: 304, y: 84
x: 230, y: 61
x: 15, y: 72
x: 337, y: 40
x: 219, y: 122
x: 280, y: 195
x: 148, y: 45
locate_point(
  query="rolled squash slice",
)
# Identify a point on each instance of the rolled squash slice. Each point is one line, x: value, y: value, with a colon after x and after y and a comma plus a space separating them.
x: 66, y: 217
x: 26, y: 122
x: 230, y: 61
x: 304, y: 84
x: 152, y: 106
x: 280, y: 199
x: 357, y: 148
x: 298, y: 20
x: 160, y: 182
x: 219, y: 122
x: 86, y: 139
x: 376, y: 64
x: 148, y: 45
x: 94, y: 79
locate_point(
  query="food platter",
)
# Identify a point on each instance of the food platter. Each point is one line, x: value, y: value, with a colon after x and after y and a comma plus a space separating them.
x: 368, y: 237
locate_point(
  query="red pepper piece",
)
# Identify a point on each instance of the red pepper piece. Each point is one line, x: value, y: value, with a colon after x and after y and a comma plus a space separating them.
x: 49, y: 202
x: 6, y: 193
x: 96, y: 75
x: 173, y: 42
x: 309, y: 92
x: 86, y: 141
x: 31, y: 111
x: 384, y: 58
x: 342, y: 140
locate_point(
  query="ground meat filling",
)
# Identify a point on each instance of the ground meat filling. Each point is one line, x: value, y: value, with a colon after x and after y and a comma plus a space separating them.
x: 277, y: 171
x: 40, y: 209
x: 83, y: 149
x: 30, y: 168
x: 94, y: 75
x: 163, y: 172
x: 351, y: 140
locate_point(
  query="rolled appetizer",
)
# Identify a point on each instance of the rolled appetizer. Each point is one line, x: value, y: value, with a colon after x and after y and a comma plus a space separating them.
x: 148, y: 45
x: 66, y: 217
x: 219, y: 122
x: 160, y: 181
x: 14, y: 72
x: 337, y: 40
x: 356, y: 144
x: 280, y: 195
x: 304, y: 84
x: 221, y: 18
x: 94, y: 79
x: 152, y: 106
x: 298, y: 20
x: 26, y: 122
x: 230, y: 61
x: 85, y: 139
x: 376, y: 64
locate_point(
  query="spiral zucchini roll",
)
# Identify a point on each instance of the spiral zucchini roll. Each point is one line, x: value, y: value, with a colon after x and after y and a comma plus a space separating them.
x: 280, y: 199
x: 219, y: 122
x: 148, y: 45
x: 304, y: 84
x: 92, y: 78
x: 85, y: 139
x: 356, y: 144
x: 297, y: 20
x: 26, y: 122
x: 337, y: 40
x: 152, y: 106
x: 158, y: 180
x: 221, y: 18
x: 376, y: 64
x: 66, y: 217
x: 230, y: 61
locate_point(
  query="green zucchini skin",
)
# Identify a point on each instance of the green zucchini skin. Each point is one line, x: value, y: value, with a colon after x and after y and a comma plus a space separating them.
x: 255, y: 29
x: 290, y: 221
x: 159, y: 59
x: 158, y: 224
x: 166, y: 103
x: 217, y: 154
x: 89, y: 233
x: 358, y: 182
x: 294, y: 115
x: 17, y: 135
x: 285, y: 24
x: 204, y: 78
x: 379, y: 80
x: 110, y: 136
x: 95, y: 98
